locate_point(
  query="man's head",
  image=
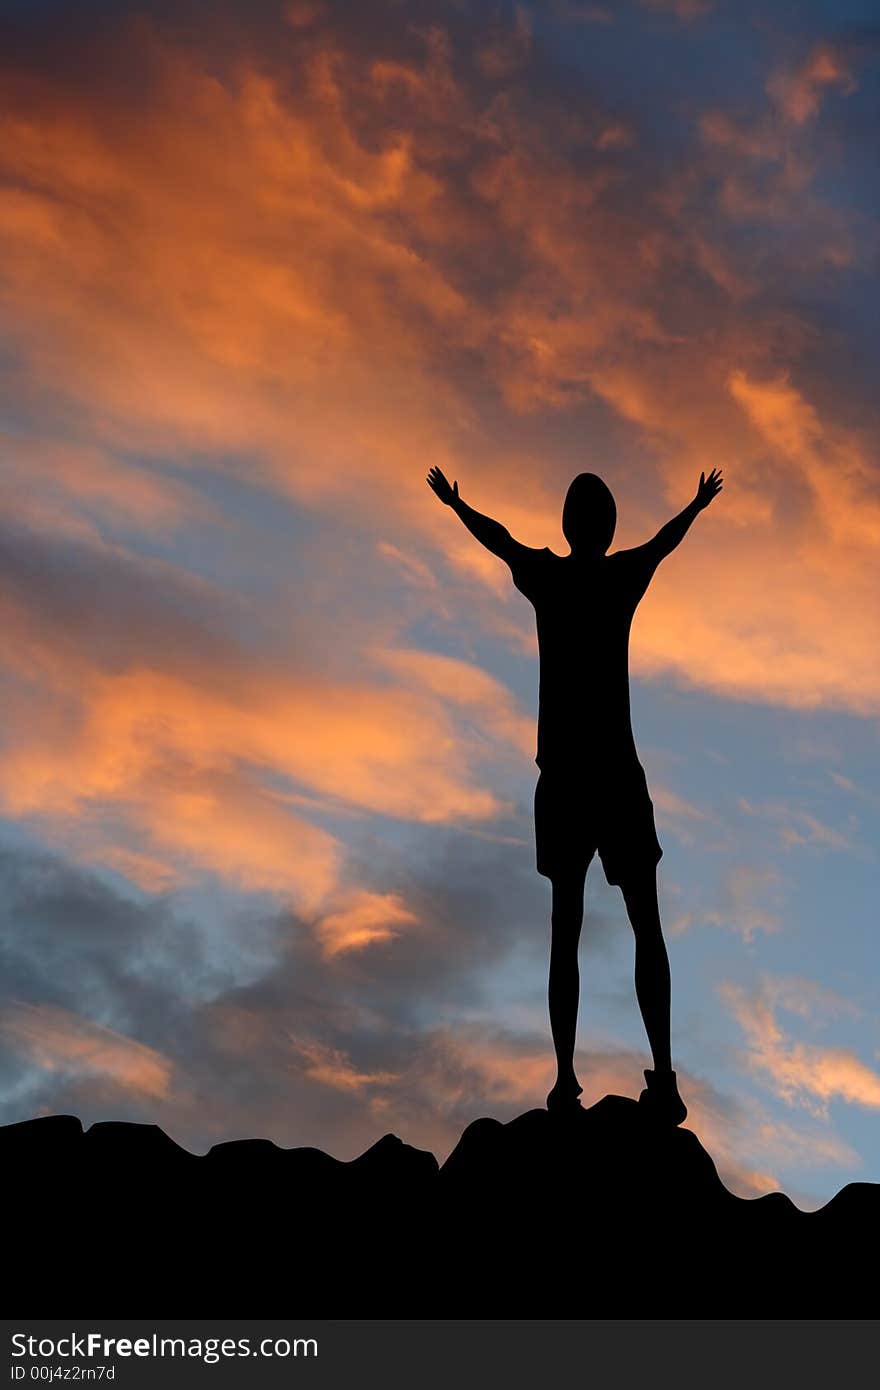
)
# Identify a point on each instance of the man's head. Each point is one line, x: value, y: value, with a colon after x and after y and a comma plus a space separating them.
x: 589, y: 515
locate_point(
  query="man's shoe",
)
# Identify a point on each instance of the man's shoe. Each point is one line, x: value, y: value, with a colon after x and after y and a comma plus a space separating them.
x: 563, y: 1099
x: 661, y: 1098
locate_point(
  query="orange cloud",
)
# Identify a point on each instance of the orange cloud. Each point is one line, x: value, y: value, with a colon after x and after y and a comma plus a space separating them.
x: 184, y: 764
x: 331, y: 1067
x: 57, y: 485
x: 460, y: 683
x: 262, y: 276
x: 59, y: 1041
x: 205, y: 331
x: 278, y: 269
x: 799, y: 92
x: 168, y: 753
x: 799, y: 1072
x: 792, y: 609
x: 364, y: 917
x: 831, y: 461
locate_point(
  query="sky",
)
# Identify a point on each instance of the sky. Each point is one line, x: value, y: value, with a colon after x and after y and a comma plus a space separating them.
x: 268, y: 724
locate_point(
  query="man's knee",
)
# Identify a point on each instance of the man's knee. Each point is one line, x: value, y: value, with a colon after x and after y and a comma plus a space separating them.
x: 567, y: 912
x: 642, y: 905
x: 568, y: 887
x: 638, y: 882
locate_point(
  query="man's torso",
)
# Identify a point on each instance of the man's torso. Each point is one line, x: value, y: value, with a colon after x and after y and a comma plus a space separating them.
x: 584, y: 611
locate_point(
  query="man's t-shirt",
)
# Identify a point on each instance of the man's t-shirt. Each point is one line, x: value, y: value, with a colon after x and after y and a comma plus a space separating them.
x: 584, y: 609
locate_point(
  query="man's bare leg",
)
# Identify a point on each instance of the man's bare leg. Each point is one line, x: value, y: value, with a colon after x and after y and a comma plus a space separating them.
x: 653, y: 987
x: 652, y: 963
x: 564, y: 985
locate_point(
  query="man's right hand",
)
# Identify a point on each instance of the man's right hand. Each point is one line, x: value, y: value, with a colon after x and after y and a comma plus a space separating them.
x: 437, y: 480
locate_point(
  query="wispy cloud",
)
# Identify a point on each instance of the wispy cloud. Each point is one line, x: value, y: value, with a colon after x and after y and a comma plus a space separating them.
x: 799, y: 91
x: 59, y: 1041
x: 799, y: 827
x: 362, y: 919
x: 749, y: 902
x: 803, y: 1073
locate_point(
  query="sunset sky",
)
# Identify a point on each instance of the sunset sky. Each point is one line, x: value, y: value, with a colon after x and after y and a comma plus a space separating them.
x: 269, y: 711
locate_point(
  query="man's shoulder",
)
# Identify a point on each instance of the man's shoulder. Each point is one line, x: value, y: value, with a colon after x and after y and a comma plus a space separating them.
x: 528, y: 563
x: 639, y: 562
x: 538, y: 555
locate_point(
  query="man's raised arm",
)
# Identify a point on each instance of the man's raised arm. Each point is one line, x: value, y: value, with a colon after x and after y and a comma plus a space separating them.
x: 489, y: 533
x: 674, y: 532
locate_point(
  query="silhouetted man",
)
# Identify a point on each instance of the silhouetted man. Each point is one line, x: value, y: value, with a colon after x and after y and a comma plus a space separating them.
x: 591, y: 792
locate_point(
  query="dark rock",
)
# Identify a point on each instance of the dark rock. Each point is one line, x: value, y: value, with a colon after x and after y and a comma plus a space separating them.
x: 598, y: 1213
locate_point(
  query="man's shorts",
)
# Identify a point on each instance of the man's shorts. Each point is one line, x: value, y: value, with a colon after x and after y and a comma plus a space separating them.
x: 577, y: 813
